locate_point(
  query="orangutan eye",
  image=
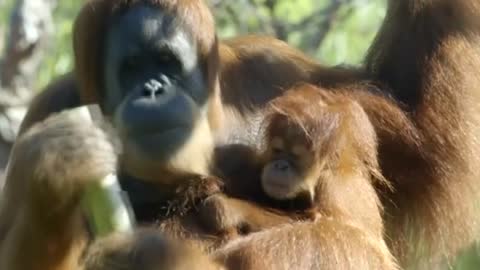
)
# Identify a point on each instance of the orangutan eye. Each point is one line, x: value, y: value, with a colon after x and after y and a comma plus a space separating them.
x: 299, y: 150
x: 130, y: 62
x: 165, y: 57
x: 277, y: 145
x: 277, y: 150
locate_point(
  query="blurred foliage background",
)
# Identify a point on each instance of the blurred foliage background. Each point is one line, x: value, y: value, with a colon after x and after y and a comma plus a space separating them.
x: 332, y: 31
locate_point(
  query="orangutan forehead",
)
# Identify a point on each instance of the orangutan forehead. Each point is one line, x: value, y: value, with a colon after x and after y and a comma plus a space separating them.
x: 192, y: 14
x: 144, y: 28
x: 148, y: 21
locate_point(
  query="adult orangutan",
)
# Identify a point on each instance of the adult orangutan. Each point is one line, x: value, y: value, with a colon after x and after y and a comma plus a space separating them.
x: 171, y: 86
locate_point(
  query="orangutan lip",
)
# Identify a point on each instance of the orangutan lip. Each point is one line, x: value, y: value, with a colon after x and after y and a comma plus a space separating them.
x: 279, y: 188
x: 165, y: 132
x: 158, y: 133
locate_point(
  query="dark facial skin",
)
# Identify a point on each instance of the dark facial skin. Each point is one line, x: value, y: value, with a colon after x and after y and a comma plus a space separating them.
x: 155, y: 90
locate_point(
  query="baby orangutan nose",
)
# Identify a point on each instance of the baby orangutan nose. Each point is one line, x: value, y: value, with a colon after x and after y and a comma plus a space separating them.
x: 282, y: 165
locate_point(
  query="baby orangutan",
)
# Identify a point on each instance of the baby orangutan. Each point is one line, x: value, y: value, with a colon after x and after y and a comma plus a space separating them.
x: 320, y: 156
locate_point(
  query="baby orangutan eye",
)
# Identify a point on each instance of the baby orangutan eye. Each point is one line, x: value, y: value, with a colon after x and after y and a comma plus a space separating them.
x: 277, y: 151
x: 299, y: 150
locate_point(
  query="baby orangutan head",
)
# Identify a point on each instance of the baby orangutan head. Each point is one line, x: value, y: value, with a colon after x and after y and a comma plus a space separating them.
x: 300, y: 140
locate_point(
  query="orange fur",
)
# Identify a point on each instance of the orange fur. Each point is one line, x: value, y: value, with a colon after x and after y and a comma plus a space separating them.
x: 418, y: 88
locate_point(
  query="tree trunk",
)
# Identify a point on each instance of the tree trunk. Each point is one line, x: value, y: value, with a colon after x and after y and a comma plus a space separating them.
x: 30, y: 29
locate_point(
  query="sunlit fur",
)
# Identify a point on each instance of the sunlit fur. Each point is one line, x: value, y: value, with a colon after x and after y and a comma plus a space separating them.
x: 340, y: 152
x: 419, y: 88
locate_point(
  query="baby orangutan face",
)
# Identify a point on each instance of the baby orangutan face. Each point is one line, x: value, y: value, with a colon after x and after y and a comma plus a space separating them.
x: 289, y: 170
